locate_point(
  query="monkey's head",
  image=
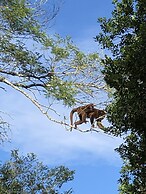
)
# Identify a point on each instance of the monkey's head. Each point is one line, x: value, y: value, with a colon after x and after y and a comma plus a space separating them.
x: 101, y: 115
x: 102, y: 112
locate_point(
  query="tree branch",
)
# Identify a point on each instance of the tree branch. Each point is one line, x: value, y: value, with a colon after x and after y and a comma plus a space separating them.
x: 12, y: 73
x: 4, y: 80
x: 39, y: 106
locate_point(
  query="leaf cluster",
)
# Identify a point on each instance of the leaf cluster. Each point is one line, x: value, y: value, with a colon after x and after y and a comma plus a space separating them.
x: 30, y: 59
x: 25, y: 174
x: 133, y: 177
x: 124, y: 68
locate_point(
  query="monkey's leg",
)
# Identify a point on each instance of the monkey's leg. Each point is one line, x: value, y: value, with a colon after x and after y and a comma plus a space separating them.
x: 82, y: 117
x: 92, y: 120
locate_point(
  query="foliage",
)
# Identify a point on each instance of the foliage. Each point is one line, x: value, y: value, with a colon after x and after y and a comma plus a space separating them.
x: 4, y: 128
x: 124, y: 36
x: 35, y: 63
x: 25, y: 174
x: 133, y: 178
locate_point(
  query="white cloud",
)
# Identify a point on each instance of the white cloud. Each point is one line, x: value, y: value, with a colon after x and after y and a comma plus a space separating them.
x: 32, y: 132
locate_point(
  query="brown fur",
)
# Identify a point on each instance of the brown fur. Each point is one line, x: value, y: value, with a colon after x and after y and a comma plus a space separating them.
x: 97, y: 115
x: 82, y: 111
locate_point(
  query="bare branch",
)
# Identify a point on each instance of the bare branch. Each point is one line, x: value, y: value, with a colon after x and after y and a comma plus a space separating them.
x: 33, y: 101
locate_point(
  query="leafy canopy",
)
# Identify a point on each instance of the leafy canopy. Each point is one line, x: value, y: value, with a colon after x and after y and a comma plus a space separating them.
x: 25, y: 174
x: 31, y: 59
x: 124, y: 36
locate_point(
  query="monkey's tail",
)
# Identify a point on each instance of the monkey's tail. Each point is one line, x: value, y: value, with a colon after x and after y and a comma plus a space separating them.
x: 71, y: 115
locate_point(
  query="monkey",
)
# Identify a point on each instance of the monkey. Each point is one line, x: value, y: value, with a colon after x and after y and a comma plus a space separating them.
x: 97, y: 115
x: 82, y: 113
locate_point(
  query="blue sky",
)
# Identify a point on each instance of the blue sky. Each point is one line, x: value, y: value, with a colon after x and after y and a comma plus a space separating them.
x: 92, y: 155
